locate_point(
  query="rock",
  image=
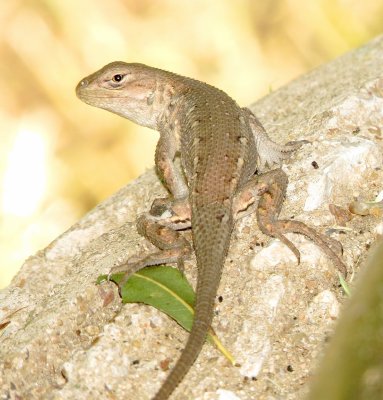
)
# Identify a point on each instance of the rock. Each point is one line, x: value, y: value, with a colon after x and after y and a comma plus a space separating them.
x: 64, y: 337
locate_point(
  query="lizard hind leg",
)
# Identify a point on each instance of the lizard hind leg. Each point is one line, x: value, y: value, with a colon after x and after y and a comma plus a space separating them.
x: 271, y: 187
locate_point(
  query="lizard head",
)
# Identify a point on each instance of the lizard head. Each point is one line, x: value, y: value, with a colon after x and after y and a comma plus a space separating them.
x: 128, y: 90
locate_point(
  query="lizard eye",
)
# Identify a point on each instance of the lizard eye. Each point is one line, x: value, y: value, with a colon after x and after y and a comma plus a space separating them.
x: 117, y: 78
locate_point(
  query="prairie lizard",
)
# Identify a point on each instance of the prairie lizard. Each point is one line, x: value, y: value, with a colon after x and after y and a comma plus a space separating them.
x: 221, y: 148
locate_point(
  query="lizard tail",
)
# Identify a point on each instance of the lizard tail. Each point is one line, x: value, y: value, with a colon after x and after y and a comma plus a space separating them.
x: 212, y: 224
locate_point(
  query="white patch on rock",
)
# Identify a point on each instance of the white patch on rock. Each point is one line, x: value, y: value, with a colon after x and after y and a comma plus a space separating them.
x: 253, y: 344
x: 271, y: 256
x: 277, y: 253
x: 226, y: 395
x: 345, y: 163
x: 73, y: 242
x: 324, y: 306
x: 379, y: 197
x: 273, y: 291
x: 379, y: 229
x: 257, y: 353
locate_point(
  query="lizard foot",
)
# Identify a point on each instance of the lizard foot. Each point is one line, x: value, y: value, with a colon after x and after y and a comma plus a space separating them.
x: 160, y: 228
x: 172, y: 256
x: 329, y: 246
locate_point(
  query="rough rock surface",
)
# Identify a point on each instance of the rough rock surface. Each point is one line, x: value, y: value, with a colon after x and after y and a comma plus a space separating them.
x: 63, y: 337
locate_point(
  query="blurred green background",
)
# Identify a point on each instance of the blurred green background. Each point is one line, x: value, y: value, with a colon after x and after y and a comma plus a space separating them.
x: 59, y: 157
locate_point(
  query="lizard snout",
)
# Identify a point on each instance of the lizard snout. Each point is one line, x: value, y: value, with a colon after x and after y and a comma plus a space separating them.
x: 81, y: 86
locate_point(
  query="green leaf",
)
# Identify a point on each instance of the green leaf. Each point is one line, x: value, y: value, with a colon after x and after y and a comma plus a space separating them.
x: 166, y: 289
x: 344, y: 285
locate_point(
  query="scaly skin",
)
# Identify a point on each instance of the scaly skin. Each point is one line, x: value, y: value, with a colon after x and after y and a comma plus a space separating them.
x: 220, y: 146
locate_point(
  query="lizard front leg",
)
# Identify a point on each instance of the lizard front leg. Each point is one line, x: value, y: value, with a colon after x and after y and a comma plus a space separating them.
x: 166, y: 216
x: 160, y: 226
x: 168, y: 171
x: 271, y: 187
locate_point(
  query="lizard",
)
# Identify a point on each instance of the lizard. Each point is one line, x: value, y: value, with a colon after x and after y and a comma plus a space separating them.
x: 211, y: 156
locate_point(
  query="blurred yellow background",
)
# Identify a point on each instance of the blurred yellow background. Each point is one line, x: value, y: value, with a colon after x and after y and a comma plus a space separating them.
x: 59, y: 157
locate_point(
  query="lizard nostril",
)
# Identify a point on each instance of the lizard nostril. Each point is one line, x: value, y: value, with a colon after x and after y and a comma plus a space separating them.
x: 81, y: 86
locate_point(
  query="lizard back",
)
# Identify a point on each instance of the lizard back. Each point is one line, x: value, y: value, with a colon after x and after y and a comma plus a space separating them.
x: 215, y: 143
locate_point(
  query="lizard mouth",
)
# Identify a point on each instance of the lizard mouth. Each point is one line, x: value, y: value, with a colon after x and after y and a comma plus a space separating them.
x: 84, y: 96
